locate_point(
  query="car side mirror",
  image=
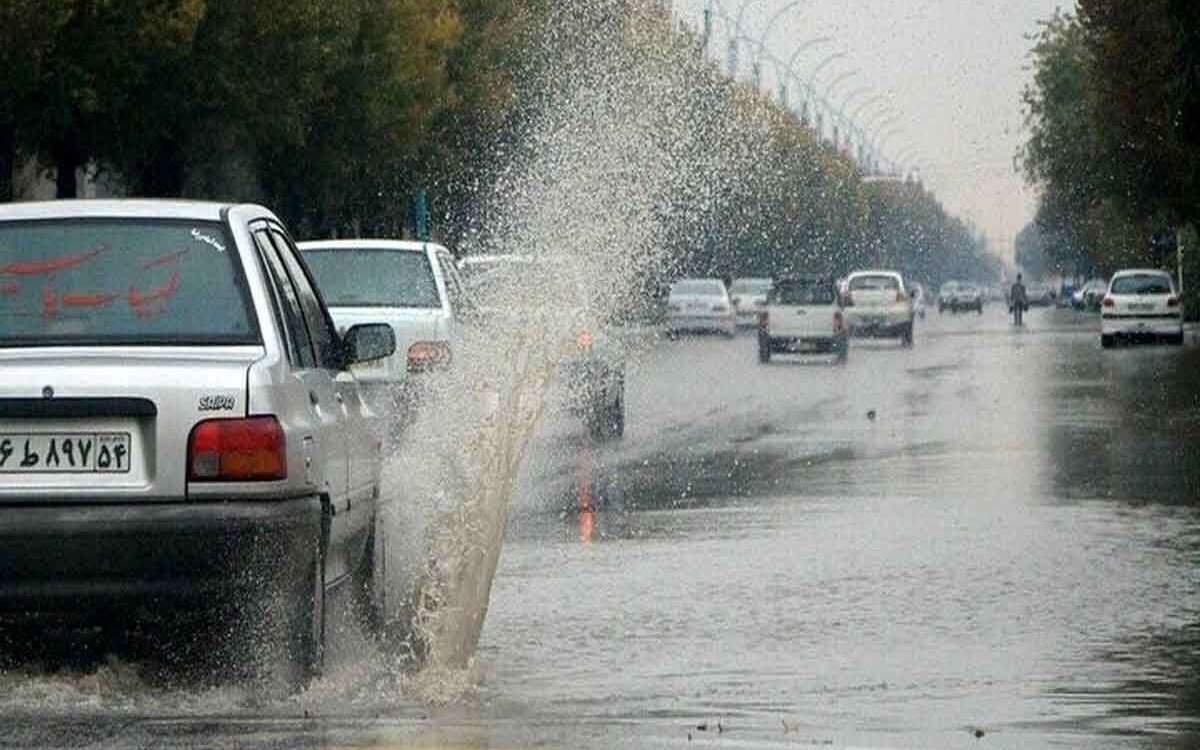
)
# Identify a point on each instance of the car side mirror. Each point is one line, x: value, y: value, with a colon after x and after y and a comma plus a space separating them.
x: 369, y: 342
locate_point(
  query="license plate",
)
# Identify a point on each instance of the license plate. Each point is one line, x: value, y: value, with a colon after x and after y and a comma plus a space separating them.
x: 1141, y: 307
x: 65, y: 453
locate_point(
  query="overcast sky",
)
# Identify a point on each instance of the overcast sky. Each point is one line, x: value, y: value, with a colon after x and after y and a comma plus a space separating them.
x: 952, y: 70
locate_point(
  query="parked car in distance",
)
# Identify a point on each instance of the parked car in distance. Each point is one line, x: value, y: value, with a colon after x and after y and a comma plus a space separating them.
x: 1089, y: 296
x: 1141, y: 304
x: 1039, y: 294
x: 412, y: 287
x: 592, y: 371
x: 749, y: 298
x: 960, y: 296
x: 179, y: 425
x: 877, y: 305
x: 700, y: 305
x: 803, y: 315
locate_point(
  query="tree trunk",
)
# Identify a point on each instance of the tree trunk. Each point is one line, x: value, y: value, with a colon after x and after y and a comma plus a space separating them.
x: 8, y: 161
x: 67, y: 161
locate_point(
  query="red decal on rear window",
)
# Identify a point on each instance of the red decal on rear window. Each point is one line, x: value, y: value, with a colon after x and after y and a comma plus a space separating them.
x: 141, y: 299
x: 45, y: 267
x: 166, y: 259
x: 88, y: 300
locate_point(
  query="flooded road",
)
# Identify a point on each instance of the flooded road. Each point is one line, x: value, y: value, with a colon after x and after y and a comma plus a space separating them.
x: 989, y: 540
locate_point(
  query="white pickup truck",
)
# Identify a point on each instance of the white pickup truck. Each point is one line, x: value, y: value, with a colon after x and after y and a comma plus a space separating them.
x: 803, y: 315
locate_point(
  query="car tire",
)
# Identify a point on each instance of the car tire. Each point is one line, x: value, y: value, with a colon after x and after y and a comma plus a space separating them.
x: 764, y: 350
x: 1106, y: 341
x: 906, y: 335
x: 979, y: 309
x: 306, y: 626
x: 1175, y: 339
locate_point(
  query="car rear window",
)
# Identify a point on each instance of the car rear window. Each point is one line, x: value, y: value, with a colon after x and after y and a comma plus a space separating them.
x: 874, y: 283
x: 1141, y: 284
x: 699, y: 287
x: 750, y: 286
x: 350, y: 277
x: 803, y: 293
x: 121, y: 282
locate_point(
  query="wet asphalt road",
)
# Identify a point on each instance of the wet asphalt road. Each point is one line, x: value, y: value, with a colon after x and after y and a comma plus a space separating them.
x: 996, y: 531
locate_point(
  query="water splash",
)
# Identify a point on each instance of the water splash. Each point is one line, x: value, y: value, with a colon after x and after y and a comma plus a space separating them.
x: 619, y: 161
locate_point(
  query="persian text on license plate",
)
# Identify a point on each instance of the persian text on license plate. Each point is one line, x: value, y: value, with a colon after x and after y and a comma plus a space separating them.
x: 65, y: 453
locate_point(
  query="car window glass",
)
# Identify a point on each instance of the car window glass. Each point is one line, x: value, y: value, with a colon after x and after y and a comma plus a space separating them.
x: 1141, y: 284
x: 803, y: 293
x: 129, y: 282
x: 874, y: 283
x: 296, y: 331
x: 373, y: 277
x: 324, y: 336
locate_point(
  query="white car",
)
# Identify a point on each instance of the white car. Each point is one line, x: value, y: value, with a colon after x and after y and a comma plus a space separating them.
x: 803, y: 315
x: 179, y: 425
x: 1141, y: 304
x: 749, y: 299
x: 695, y: 305
x: 414, y: 287
x: 877, y: 305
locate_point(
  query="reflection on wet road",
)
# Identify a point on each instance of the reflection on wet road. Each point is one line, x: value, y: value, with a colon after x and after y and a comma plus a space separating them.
x: 994, y: 532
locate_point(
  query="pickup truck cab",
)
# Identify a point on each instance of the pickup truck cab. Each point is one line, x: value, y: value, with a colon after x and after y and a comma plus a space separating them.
x: 179, y: 425
x: 803, y: 314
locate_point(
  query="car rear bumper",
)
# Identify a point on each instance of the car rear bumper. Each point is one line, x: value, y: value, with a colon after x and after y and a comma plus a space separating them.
x: 725, y: 323
x: 802, y: 344
x: 1135, y: 326
x: 82, y: 558
x: 877, y: 323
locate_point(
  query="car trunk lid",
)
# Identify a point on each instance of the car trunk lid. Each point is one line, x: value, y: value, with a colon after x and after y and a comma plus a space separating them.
x: 110, y: 424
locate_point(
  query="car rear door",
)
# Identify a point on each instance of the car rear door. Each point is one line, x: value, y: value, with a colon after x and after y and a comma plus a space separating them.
x: 358, y: 451
x: 326, y: 451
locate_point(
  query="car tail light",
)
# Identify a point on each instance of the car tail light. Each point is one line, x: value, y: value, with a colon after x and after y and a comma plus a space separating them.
x: 237, y: 450
x: 427, y: 355
x: 839, y: 322
x: 584, y: 341
x: 1173, y: 302
x: 1110, y: 302
x: 764, y: 320
x: 901, y: 296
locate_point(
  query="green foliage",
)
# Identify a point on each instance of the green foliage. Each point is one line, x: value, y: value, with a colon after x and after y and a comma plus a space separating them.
x: 1114, y: 120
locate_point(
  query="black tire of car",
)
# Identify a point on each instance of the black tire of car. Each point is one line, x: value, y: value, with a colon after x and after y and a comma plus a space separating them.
x: 764, y: 349
x: 979, y: 308
x: 1175, y: 339
x: 906, y: 335
x: 616, y: 418
x: 306, y: 629
x: 1106, y: 341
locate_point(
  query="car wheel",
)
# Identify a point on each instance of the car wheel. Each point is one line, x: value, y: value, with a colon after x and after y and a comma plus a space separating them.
x: 306, y: 629
x: 906, y: 335
x: 764, y: 349
x: 1106, y: 341
x: 979, y: 309
x: 1175, y: 339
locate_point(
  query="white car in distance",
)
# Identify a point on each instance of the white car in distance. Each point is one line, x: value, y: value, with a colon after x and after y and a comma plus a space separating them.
x: 700, y: 305
x: 1141, y: 304
x: 878, y: 305
x: 414, y: 287
x: 749, y: 297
